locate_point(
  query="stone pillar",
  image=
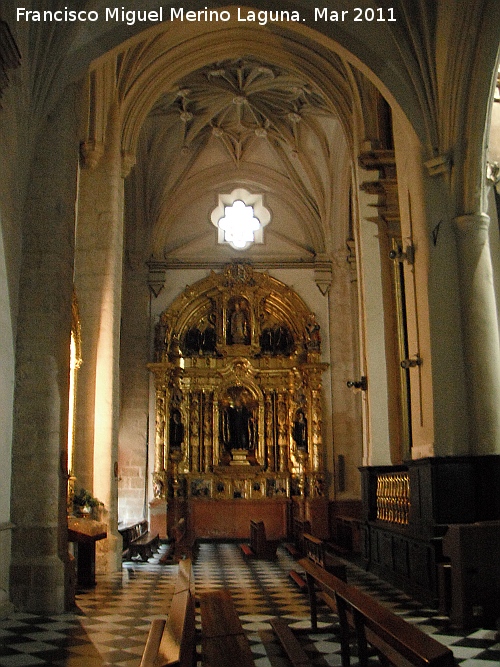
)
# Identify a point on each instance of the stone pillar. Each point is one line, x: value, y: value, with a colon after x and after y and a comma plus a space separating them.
x: 480, y: 330
x: 98, y: 279
x: 40, y: 568
x: 375, y: 403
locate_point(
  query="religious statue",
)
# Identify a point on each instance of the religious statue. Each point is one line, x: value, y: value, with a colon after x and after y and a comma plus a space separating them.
x: 158, y: 487
x: 176, y: 431
x: 239, y: 325
x: 313, y: 333
x: 208, y: 340
x: 299, y: 431
x: 238, y: 426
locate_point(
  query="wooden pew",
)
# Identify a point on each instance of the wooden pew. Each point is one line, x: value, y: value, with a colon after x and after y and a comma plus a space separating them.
x: 296, y: 548
x: 139, y: 541
x: 224, y: 643
x: 290, y: 643
x: 347, y: 534
x: 301, y: 527
x: 260, y: 546
x: 315, y: 550
x: 396, y: 641
x: 171, y: 641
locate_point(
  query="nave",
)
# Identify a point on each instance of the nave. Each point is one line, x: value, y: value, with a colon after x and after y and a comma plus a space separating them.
x: 110, y: 623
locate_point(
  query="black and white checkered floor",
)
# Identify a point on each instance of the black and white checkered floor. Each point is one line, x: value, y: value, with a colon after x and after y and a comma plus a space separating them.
x: 110, y: 624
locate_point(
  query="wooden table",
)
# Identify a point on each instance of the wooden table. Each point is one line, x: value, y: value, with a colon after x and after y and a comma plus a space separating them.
x: 85, y: 533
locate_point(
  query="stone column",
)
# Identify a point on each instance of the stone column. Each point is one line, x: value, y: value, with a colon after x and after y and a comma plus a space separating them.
x: 39, y: 572
x: 98, y: 279
x: 375, y: 403
x: 480, y: 331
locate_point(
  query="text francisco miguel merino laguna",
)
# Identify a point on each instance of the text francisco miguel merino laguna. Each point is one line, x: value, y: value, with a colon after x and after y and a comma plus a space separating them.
x: 130, y: 17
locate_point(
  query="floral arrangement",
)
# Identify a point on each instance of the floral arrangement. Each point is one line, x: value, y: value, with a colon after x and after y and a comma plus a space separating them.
x: 84, y: 499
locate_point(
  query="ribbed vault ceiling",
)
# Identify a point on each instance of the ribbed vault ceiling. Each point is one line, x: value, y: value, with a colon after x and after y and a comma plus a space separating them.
x: 239, y: 123
x: 238, y: 101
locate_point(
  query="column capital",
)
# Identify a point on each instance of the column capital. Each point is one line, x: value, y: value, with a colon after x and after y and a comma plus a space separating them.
x: 91, y: 153
x: 128, y: 161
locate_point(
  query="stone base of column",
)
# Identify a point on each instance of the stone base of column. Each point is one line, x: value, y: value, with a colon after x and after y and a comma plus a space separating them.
x: 38, y: 585
x: 108, y: 558
x: 158, y: 517
x: 6, y: 606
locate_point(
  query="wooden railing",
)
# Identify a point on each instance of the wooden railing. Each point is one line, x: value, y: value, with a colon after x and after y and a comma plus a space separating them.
x: 393, y: 498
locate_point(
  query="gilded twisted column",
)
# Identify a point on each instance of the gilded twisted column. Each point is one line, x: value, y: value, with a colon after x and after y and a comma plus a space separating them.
x: 282, y: 431
x: 208, y: 431
x: 269, y: 432
x: 194, y: 431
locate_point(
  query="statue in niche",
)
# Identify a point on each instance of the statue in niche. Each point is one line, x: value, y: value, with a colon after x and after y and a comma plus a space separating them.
x: 176, y: 430
x: 192, y: 341
x: 158, y: 487
x: 266, y: 341
x: 313, y: 333
x: 283, y: 340
x: 299, y: 431
x: 208, y: 340
x: 198, y: 341
x: 238, y: 321
x: 276, y: 340
x: 239, y: 425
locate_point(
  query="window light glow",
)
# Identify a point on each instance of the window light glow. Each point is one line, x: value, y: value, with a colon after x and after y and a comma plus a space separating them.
x: 239, y: 224
x: 240, y: 217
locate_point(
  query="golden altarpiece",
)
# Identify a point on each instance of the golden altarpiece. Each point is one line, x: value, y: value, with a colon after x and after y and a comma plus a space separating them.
x: 238, y: 404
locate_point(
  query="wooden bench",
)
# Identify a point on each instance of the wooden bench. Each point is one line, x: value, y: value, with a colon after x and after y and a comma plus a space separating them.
x: 316, y: 550
x: 317, y: 553
x: 260, y: 545
x: 396, y: 641
x: 224, y: 643
x: 298, y: 579
x: 172, y: 641
x: 139, y: 541
x: 290, y: 643
x: 296, y: 547
x: 347, y: 534
x: 300, y: 528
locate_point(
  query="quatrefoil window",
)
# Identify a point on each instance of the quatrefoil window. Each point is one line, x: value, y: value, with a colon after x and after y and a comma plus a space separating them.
x: 240, y: 218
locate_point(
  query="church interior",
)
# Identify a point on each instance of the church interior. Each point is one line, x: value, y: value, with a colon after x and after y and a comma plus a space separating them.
x: 249, y: 272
